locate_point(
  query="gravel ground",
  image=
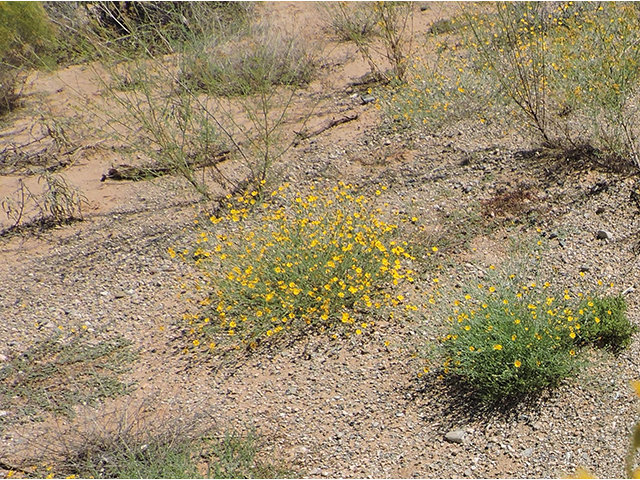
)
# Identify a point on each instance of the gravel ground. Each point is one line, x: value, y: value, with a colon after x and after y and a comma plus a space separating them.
x: 354, y: 409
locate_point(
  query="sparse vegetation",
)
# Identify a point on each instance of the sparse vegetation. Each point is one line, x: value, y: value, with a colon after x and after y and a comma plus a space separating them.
x: 260, y: 67
x: 516, y: 337
x: 567, y: 73
x: 380, y: 30
x: 57, y: 204
x: 135, y: 443
x: 66, y: 370
x: 168, y: 453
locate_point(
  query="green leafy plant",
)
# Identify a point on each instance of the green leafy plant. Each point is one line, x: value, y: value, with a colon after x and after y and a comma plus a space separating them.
x: 509, y: 342
x: 516, y: 337
x: 293, y: 261
x: 605, y: 323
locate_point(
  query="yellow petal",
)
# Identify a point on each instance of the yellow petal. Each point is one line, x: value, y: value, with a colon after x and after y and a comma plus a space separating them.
x: 636, y: 387
x: 581, y: 473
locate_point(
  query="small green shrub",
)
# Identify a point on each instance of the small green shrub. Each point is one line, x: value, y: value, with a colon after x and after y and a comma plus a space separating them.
x: 24, y: 30
x: 509, y: 342
x: 605, y: 323
x: 517, y: 338
x: 294, y: 261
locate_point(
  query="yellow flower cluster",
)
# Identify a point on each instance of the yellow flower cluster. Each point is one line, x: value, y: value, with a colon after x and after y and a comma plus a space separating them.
x: 290, y: 260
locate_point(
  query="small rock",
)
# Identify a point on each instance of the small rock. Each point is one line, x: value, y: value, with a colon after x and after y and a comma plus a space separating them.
x: 455, y: 436
x: 3, y: 358
x: 119, y: 294
x: 292, y: 390
x: 367, y: 99
x: 600, y: 210
x: 467, y: 189
x: 584, y: 268
x: 603, y: 235
x: 527, y: 453
x: 553, y: 235
x: 4, y: 413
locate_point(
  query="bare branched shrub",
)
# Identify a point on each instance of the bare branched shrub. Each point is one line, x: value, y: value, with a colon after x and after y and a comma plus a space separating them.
x: 58, y: 203
x: 369, y: 24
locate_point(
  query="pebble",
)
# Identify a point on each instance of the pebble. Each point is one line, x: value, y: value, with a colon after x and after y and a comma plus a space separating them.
x: 455, y: 436
x: 527, y: 452
x: 604, y: 235
x: 367, y: 99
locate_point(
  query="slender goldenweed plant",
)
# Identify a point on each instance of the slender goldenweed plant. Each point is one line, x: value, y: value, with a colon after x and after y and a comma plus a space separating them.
x: 567, y: 73
x: 291, y: 262
x: 516, y: 337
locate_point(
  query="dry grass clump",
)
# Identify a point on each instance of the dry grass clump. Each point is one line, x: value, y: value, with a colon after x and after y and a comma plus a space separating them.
x: 253, y: 62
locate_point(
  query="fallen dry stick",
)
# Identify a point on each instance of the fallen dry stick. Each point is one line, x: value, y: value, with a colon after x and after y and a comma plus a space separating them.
x: 330, y: 124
